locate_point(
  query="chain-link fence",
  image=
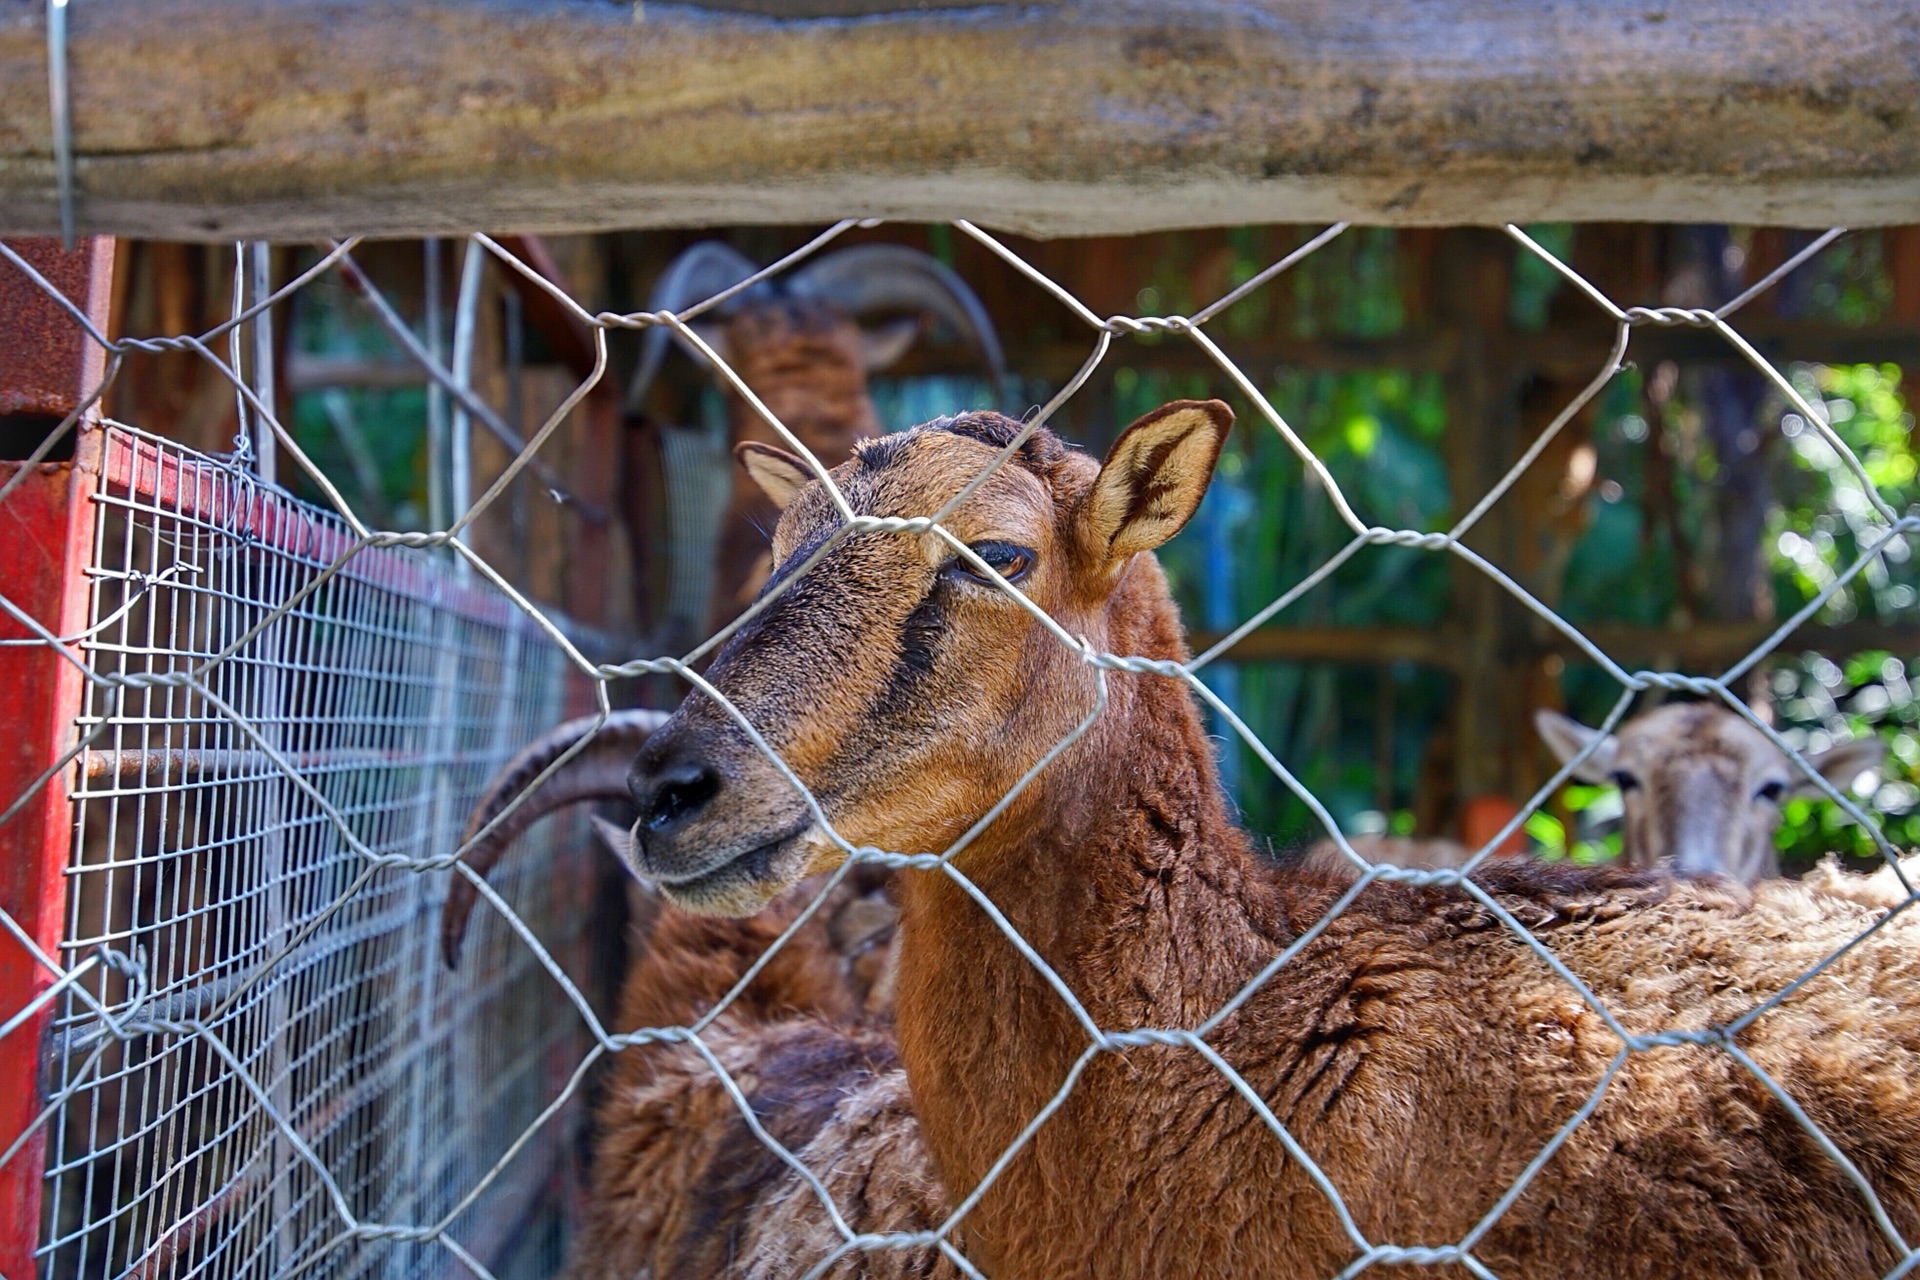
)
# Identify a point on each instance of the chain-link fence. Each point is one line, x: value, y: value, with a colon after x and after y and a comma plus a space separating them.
x: 254, y: 1064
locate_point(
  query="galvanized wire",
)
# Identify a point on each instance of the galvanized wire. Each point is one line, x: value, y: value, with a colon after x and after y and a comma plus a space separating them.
x: 257, y: 1065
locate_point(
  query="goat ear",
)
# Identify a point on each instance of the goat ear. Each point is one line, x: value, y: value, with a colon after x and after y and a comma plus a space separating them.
x: 882, y: 346
x: 1154, y: 478
x: 1567, y: 738
x: 1841, y: 764
x: 779, y: 474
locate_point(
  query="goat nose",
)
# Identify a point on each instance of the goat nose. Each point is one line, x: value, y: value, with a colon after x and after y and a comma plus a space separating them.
x: 672, y: 792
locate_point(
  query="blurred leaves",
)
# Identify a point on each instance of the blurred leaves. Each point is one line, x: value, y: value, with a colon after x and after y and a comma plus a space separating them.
x: 1358, y: 736
x: 371, y: 442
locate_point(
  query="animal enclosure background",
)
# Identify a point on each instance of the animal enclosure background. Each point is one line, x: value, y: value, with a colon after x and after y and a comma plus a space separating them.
x: 295, y: 687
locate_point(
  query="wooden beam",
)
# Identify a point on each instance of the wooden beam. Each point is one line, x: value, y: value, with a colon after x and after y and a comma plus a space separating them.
x: 570, y: 340
x: 305, y: 371
x: 1474, y: 284
x: 1704, y: 647
x: 1709, y: 646
x: 1566, y: 351
x: 219, y: 119
x: 1353, y: 646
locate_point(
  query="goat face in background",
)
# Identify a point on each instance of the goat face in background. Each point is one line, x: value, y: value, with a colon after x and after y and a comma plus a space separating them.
x: 1701, y: 787
x: 804, y: 344
x: 807, y: 361
x: 904, y: 687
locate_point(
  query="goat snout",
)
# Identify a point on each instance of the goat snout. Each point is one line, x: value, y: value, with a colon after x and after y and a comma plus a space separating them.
x: 671, y: 790
x: 719, y: 833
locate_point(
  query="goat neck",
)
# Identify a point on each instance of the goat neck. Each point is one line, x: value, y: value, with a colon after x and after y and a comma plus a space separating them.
x: 1121, y: 867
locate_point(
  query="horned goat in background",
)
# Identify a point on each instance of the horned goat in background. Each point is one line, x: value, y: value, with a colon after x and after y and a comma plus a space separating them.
x: 1414, y: 1046
x: 801, y: 341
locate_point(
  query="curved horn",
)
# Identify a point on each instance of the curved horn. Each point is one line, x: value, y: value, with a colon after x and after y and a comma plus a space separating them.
x: 892, y: 277
x: 597, y: 772
x: 700, y: 271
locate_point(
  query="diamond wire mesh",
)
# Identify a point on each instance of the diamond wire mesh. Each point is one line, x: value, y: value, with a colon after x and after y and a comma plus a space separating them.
x: 259, y: 1074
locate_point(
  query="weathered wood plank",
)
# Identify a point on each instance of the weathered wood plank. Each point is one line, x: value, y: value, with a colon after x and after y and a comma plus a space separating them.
x: 211, y: 119
x: 1704, y: 647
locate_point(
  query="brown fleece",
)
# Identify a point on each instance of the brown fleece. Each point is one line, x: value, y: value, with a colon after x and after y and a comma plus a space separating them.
x: 682, y: 1187
x: 1418, y: 1050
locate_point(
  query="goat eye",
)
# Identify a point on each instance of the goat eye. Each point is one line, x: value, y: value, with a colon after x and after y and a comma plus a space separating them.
x: 1771, y: 792
x: 1005, y: 559
x: 1624, y: 780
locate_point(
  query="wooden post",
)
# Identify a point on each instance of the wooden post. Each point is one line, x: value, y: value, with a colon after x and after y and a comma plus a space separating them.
x: 1903, y: 265
x: 46, y: 526
x: 596, y: 469
x: 1474, y: 271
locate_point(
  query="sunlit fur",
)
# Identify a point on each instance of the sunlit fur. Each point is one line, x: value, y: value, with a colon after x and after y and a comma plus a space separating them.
x: 1701, y: 787
x: 1415, y: 1047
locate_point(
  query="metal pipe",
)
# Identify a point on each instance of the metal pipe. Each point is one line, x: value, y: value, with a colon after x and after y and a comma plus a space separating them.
x: 437, y: 517
x: 265, y: 447
x: 176, y: 763
x: 472, y: 271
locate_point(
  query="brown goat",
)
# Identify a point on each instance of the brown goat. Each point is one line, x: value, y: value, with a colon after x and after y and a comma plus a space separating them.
x: 682, y: 1186
x: 1417, y: 1049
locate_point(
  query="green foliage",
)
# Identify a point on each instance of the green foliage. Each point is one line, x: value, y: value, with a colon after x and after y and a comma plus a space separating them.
x: 1847, y: 283
x: 1595, y: 838
x: 1550, y: 843
x: 1350, y: 287
x: 1535, y: 282
x: 1266, y: 525
x: 1824, y: 524
x: 1818, y: 703
x: 1825, y: 510
x: 370, y: 442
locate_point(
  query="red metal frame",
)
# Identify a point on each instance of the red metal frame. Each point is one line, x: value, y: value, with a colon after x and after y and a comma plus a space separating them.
x: 151, y: 474
x: 45, y: 540
x: 46, y: 543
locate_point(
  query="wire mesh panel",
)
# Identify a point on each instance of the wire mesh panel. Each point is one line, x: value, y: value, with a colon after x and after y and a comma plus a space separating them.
x: 261, y: 942
x: 258, y: 1066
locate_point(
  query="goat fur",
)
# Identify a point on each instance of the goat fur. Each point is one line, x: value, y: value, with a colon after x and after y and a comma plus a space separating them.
x: 681, y: 1186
